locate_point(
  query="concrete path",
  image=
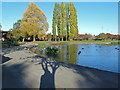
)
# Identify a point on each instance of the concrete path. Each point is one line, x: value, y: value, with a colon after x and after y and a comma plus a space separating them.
x: 27, y: 70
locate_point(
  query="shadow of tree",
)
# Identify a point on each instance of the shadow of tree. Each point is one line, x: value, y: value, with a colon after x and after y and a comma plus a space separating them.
x: 5, y: 59
x: 13, y: 76
x: 47, y: 80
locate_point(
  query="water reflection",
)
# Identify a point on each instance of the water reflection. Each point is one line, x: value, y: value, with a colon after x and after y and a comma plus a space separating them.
x: 91, y: 55
x: 68, y: 53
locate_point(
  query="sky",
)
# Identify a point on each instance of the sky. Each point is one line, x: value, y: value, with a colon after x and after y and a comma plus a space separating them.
x: 93, y: 17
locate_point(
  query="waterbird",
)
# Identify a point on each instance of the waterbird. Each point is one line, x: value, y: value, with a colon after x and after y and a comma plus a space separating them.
x: 82, y: 48
x: 79, y: 52
x: 117, y: 48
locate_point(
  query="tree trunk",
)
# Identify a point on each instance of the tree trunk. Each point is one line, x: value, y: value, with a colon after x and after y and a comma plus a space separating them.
x: 49, y: 39
x: 55, y: 39
x: 59, y: 39
x: 62, y: 38
x: 66, y: 37
x: 23, y: 39
x: 33, y: 38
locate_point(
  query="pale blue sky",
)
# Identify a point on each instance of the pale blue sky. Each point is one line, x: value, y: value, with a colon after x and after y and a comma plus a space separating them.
x: 93, y: 17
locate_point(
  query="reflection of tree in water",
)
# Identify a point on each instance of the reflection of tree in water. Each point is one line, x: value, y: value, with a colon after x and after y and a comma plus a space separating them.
x: 73, y: 53
x: 68, y: 53
x: 61, y: 53
x: 48, y: 78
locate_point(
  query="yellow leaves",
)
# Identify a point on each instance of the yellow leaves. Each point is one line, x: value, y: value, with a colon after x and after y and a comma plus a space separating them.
x: 34, y: 21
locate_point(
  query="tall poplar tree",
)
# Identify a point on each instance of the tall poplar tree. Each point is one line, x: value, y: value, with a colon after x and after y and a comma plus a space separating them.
x: 65, y: 18
x: 34, y: 21
x: 59, y: 27
x: 59, y: 22
x: 54, y: 20
x: 62, y: 21
x: 73, y: 22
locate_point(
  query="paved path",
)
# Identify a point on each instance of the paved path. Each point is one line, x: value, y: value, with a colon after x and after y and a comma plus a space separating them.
x: 27, y: 70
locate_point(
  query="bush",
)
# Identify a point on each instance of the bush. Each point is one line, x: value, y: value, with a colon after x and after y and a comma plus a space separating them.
x: 51, y: 51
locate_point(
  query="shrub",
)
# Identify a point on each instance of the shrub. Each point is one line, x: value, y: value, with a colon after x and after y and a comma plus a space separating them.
x: 115, y: 43
x: 51, y: 51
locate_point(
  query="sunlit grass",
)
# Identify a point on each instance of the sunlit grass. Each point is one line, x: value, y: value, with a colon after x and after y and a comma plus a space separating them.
x: 77, y: 42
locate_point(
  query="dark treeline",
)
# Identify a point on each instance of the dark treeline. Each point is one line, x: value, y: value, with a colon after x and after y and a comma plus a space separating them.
x: 101, y: 36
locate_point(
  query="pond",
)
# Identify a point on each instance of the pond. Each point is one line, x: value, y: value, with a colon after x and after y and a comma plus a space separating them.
x: 90, y: 55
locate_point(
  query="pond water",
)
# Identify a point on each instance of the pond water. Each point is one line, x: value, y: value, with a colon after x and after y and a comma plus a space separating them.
x: 90, y: 55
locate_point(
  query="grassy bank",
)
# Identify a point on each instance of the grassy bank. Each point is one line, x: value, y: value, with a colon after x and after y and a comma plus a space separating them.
x: 43, y: 44
x: 115, y: 43
x: 79, y: 42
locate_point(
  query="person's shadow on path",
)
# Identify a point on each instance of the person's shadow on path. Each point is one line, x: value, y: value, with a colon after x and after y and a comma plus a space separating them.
x: 47, y: 80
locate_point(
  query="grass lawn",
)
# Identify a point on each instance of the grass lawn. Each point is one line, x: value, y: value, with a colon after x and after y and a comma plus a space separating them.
x: 45, y: 43
x: 78, y: 42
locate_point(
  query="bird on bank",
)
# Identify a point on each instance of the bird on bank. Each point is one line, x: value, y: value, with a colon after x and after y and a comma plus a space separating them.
x: 79, y: 52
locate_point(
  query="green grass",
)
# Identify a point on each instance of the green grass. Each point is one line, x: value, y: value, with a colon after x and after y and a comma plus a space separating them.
x: 64, y: 43
x: 42, y: 45
x: 76, y: 42
x: 115, y: 43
